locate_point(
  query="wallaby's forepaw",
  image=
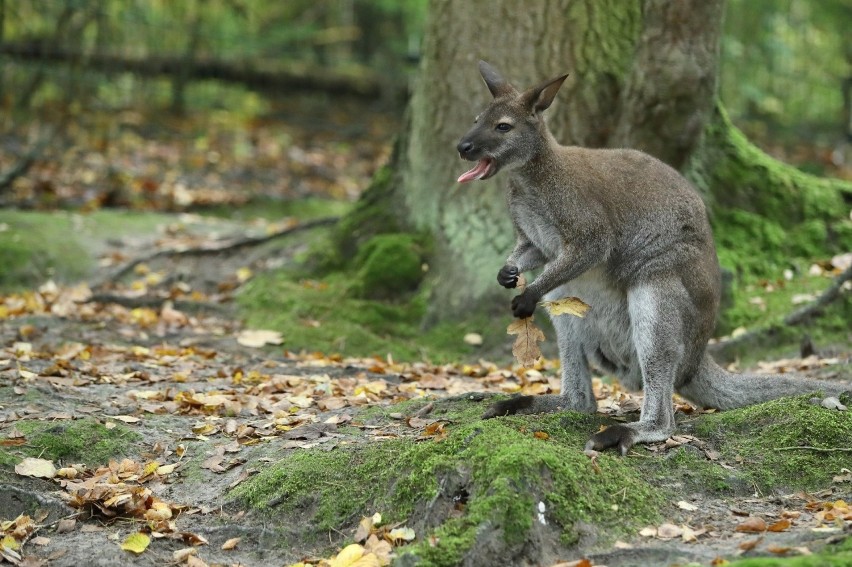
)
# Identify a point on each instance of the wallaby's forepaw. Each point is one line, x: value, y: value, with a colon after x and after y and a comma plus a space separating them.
x: 511, y: 406
x: 619, y: 436
x: 508, y: 276
x: 524, y: 305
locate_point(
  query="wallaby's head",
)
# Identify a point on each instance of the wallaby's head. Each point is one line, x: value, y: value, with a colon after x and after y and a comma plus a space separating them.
x: 511, y: 130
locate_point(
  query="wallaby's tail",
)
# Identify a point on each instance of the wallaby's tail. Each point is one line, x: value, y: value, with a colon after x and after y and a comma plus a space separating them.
x: 713, y: 386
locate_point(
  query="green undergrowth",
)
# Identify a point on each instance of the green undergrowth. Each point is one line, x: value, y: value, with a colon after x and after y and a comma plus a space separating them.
x: 484, y: 478
x: 70, y: 441
x: 761, y: 305
x: 788, y: 443
x: 329, y: 313
x: 767, y: 214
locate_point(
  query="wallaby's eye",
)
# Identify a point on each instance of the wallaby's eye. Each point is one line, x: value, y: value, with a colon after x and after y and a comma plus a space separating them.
x: 504, y: 127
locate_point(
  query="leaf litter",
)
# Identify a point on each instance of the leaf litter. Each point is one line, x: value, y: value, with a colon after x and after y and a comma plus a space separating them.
x: 236, y: 401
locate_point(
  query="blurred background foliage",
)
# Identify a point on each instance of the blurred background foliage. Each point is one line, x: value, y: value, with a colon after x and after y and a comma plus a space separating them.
x: 89, y: 70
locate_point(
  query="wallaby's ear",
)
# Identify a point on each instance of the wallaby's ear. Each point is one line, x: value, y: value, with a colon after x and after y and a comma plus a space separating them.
x: 494, y: 81
x: 539, y: 98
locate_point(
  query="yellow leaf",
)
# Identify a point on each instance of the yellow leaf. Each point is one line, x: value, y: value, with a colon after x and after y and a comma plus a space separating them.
x: 567, y: 306
x: 137, y: 543
x: 8, y: 542
x: 525, y: 349
x: 150, y: 467
x: 348, y: 556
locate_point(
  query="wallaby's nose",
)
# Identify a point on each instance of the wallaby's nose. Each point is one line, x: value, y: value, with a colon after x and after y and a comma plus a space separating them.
x: 464, y: 147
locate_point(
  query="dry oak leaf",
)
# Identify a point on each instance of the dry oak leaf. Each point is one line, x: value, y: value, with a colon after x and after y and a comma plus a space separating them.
x: 231, y: 543
x: 567, y: 306
x: 525, y: 349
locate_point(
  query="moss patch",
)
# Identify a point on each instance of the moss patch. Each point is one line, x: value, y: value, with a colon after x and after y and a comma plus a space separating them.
x: 73, y: 441
x: 484, y: 477
x: 764, y: 439
x: 388, y: 265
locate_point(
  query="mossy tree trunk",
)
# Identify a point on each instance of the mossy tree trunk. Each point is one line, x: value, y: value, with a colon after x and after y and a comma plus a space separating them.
x: 642, y: 74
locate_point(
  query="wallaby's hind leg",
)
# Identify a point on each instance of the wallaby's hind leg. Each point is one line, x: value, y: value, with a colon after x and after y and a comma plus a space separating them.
x: 576, y: 391
x: 657, y: 330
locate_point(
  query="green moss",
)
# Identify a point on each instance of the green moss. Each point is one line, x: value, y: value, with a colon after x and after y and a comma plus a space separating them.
x: 494, y: 472
x: 836, y: 556
x: 762, y: 439
x: 388, y: 265
x: 765, y: 213
x: 372, y: 215
x: 75, y: 441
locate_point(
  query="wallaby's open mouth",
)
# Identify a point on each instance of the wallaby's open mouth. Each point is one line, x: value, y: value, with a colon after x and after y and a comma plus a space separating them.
x: 483, y: 169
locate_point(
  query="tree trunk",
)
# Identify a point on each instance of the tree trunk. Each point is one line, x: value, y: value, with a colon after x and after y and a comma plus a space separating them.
x: 642, y: 74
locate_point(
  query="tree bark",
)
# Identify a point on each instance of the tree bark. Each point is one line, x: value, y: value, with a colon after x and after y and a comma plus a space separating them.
x: 642, y: 74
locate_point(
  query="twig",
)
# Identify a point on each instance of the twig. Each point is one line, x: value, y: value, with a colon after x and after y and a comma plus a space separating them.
x: 201, y: 251
x: 820, y: 449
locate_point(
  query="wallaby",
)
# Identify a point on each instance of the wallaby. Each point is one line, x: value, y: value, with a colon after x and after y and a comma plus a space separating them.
x: 628, y: 235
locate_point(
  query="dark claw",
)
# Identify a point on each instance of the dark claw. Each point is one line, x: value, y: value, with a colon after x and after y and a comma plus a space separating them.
x: 619, y: 436
x: 508, y: 407
x: 524, y: 305
x: 508, y: 276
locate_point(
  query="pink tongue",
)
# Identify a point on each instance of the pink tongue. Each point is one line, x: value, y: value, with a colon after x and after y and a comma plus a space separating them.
x: 478, y: 171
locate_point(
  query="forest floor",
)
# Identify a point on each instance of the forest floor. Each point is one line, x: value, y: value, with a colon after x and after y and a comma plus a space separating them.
x: 152, y: 408
x: 142, y: 422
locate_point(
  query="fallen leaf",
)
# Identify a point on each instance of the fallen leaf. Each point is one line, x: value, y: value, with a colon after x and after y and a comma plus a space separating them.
x: 473, y: 339
x: 397, y: 535
x: 684, y: 505
x: 231, y: 543
x: 259, y: 338
x: 541, y: 435
x: 750, y: 544
x: 753, y: 524
x: 180, y: 555
x: 525, y: 349
x: 779, y: 526
x: 126, y: 418
x: 567, y: 306
x: 669, y: 531
x: 136, y: 543
x: 40, y: 468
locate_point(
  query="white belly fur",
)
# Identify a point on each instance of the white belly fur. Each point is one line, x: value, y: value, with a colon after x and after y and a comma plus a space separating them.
x: 606, y: 326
